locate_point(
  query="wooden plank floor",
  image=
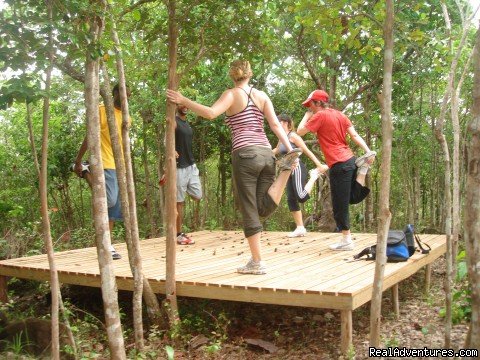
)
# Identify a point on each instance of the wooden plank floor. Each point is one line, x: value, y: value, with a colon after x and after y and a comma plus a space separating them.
x: 301, y: 271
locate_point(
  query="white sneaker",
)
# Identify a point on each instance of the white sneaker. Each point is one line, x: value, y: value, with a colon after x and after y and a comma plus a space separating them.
x: 253, y: 267
x: 298, y: 232
x: 343, y: 246
x: 363, y: 159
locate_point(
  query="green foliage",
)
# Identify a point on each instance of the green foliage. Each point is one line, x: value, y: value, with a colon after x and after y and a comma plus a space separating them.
x: 18, y: 345
x: 462, y: 293
x: 170, y: 352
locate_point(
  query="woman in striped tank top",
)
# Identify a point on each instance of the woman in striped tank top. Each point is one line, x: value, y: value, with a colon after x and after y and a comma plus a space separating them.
x: 253, y: 161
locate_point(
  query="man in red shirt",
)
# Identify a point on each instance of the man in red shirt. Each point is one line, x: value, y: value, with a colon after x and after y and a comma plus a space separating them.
x: 347, y: 173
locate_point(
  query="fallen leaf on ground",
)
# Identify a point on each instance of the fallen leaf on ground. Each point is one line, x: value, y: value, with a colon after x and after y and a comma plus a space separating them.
x: 198, y: 341
x: 271, y: 348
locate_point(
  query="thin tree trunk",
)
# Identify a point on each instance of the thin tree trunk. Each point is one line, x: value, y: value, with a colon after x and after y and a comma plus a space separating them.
x: 32, y: 138
x: 131, y: 223
x: 472, y: 208
x: 171, y: 201
x: 448, y: 194
x: 384, y: 217
x: 100, y: 217
x: 160, y: 135
x: 149, y: 204
x: 47, y: 236
x: 120, y: 167
x: 456, y: 164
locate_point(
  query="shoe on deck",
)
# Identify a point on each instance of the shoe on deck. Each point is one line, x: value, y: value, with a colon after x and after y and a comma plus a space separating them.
x: 286, y: 162
x: 298, y: 232
x: 253, y: 267
x: 184, y: 239
x: 115, y: 255
x: 362, y: 159
x: 343, y: 246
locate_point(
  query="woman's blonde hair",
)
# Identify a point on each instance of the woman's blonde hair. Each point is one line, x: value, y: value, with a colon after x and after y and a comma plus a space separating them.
x: 240, y: 70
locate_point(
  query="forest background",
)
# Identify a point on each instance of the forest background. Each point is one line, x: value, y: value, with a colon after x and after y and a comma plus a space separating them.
x: 293, y: 46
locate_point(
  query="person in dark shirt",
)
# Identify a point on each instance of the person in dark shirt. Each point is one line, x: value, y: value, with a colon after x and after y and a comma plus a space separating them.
x: 188, y: 179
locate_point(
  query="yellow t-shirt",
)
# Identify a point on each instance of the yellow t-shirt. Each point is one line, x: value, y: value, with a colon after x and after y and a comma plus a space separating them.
x: 105, y: 142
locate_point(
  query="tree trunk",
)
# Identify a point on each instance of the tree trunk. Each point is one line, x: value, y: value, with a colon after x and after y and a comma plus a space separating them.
x: 472, y: 208
x: 149, y: 204
x: 47, y: 236
x: 456, y: 165
x: 99, y: 197
x: 447, y: 188
x: 384, y: 217
x: 131, y: 224
x: 368, y: 183
x: 120, y: 167
x: 171, y: 201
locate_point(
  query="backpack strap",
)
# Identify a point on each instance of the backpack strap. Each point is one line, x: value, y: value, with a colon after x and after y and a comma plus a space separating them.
x: 422, y: 244
x: 367, y: 251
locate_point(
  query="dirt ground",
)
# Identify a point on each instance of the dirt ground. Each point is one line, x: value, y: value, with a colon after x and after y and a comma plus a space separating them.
x: 281, y: 332
x: 241, y: 331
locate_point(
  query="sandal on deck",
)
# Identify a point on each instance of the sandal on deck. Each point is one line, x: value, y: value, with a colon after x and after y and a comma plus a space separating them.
x: 183, y: 239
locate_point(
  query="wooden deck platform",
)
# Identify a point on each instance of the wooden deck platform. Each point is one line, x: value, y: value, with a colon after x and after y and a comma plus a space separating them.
x: 301, y: 271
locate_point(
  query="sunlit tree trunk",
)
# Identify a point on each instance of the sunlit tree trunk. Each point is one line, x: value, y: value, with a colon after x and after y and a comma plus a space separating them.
x: 456, y: 213
x: 384, y: 216
x: 439, y: 128
x: 120, y: 167
x: 472, y: 207
x: 47, y: 236
x: 170, y: 198
x: 99, y: 199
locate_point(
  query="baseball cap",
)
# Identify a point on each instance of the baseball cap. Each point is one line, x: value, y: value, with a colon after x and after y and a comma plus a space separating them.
x: 316, y: 95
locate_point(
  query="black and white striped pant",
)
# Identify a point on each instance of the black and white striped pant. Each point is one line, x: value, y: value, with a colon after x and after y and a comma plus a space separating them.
x: 296, y: 192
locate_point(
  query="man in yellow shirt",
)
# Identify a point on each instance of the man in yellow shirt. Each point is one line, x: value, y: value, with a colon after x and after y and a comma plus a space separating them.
x: 111, y: 183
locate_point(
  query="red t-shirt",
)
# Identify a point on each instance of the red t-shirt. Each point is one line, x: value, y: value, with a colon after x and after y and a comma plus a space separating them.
x: 331, y: 126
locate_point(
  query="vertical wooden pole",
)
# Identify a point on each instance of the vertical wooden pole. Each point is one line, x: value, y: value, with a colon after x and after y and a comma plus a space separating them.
x: 395, y: 302
x: 3, y: 289
x: 346, y: 330
x: 428, y: 278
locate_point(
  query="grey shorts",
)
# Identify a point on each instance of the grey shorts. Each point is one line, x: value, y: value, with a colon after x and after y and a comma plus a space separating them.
x: 188, y: 181
x: 254, y: 172
x: 113, y: 195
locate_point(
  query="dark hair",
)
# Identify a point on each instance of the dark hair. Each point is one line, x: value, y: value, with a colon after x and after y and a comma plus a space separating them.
x: 323, y: 104
x: 116, y: 95
x: 287, y: 119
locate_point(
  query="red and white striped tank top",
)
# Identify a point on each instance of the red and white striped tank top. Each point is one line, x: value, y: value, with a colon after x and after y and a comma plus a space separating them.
x: 247, y: 126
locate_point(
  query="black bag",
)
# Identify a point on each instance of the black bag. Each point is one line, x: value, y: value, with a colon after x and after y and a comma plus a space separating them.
x: 400, y: 246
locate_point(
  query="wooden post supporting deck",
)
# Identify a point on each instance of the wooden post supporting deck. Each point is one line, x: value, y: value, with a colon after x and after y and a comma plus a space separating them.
x: 395, y: 301
x: 428, y: 277
x: 3, y: 289
x: 346, y: 330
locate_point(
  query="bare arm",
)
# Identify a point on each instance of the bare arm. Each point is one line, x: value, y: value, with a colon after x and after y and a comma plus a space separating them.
x: 78, y: 160
x: 207, y: 112
x: 274, y: 124
x: 357, y: 139
x: 298, y: 141
x: 302, y: 130
x: 275, y: 151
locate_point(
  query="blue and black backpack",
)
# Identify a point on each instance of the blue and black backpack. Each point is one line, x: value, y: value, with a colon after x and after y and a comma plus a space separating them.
x: 400, y: 246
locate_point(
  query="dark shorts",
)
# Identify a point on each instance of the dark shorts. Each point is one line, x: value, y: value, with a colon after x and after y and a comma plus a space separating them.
x: 253, y: 170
